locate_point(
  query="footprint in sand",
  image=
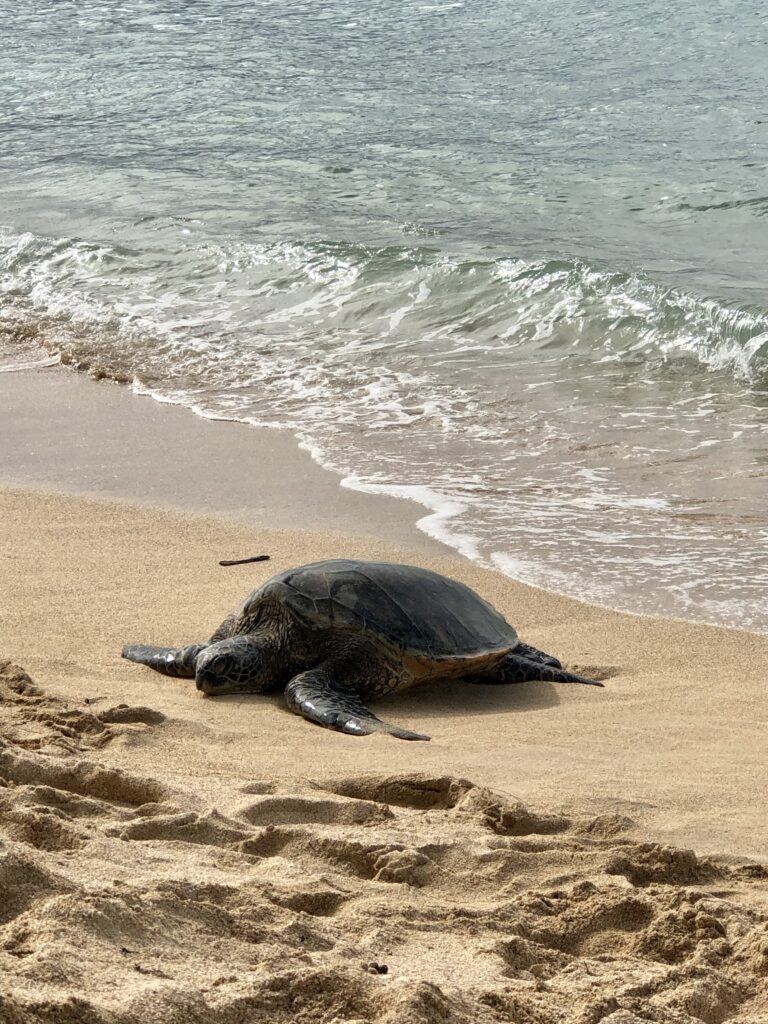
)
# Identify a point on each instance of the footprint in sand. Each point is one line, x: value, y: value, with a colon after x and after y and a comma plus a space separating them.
x: 445, y: 792
x: 82, y: 777
x: 211, y: 829
x: 415, y: 790
x: 124, y: 714
x: 305, y: 810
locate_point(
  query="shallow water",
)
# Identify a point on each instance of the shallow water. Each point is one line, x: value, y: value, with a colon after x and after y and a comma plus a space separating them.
x: 507, y: 262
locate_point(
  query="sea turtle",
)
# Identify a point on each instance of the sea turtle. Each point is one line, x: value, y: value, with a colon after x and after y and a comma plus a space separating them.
x: 334, y: 633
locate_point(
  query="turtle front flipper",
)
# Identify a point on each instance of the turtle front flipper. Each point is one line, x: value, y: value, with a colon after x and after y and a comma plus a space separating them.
x: 171, y: 661
x: 319, y: 697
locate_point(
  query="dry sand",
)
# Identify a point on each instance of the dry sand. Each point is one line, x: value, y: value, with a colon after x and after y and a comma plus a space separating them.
x: 169, y: 858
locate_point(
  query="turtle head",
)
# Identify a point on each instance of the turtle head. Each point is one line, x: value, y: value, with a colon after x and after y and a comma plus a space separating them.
x: 235, y: 665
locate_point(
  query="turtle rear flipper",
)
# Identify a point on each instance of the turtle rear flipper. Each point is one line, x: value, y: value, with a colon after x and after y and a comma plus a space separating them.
x: 321, y: 699
x: 171, y: 661
x: 517, y: 669
x: 534, y: 654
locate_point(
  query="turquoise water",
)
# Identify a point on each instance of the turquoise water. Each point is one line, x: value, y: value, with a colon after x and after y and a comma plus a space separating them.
x: 505, y: 260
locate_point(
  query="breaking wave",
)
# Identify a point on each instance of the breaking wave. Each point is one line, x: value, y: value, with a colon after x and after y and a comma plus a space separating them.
x: 204, y: 306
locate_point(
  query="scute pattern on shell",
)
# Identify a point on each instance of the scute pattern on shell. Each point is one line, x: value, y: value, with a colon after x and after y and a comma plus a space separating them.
x: 415, y: 610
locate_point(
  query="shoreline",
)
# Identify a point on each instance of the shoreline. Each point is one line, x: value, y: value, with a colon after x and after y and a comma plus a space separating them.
x: 100, y: 439
x: 64, y: 459
x: 98, y: 549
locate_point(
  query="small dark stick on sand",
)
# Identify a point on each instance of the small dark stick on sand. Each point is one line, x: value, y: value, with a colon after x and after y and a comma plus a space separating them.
x: 243, y: 561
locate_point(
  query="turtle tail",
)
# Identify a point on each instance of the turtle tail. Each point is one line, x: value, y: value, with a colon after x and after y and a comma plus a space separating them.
x: 171, y: 661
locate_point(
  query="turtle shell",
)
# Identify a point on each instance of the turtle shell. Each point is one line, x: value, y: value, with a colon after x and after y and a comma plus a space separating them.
x: 417, y: 611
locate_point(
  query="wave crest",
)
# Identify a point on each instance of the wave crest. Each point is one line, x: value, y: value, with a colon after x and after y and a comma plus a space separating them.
x: 209, y: 296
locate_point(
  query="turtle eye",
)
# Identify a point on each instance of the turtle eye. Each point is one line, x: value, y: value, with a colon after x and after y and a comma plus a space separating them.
x: 220, y: 670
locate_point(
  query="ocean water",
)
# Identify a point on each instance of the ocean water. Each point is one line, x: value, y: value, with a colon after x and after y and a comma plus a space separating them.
x: 506, y: 260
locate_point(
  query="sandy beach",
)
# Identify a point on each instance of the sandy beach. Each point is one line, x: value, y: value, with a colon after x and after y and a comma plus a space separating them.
x: 166, y: 857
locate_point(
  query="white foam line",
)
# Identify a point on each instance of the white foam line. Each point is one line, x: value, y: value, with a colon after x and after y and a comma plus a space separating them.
x: 30, y: 364
x: 442, y: 510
